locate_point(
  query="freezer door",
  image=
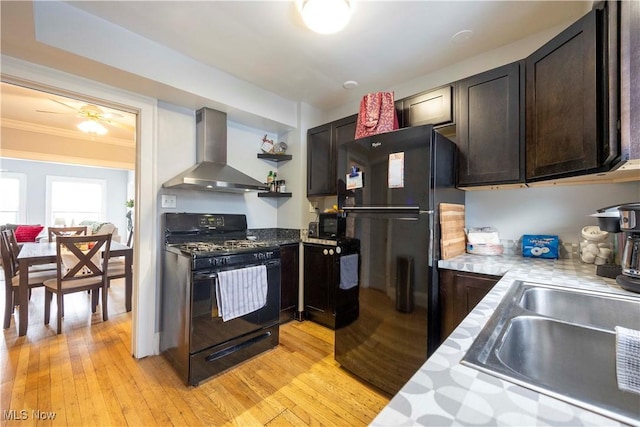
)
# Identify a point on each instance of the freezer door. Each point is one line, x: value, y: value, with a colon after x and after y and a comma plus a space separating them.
x: 395, y: 168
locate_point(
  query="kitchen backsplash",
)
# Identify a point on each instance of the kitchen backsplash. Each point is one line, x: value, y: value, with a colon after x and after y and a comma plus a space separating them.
x: 568, y: 250
x: 275, y: 233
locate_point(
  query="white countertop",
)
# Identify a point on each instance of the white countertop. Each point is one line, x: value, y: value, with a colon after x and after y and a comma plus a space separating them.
x: 443, y: 392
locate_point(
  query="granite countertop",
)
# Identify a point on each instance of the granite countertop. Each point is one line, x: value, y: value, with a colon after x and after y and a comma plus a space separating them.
x: 443, y: 392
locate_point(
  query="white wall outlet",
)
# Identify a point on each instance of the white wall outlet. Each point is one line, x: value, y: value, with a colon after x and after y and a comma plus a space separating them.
x: 313, y: 207
x: 169, y: 201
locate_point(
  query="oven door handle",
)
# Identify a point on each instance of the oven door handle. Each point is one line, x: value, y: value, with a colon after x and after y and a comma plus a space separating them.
x: 214, y: 275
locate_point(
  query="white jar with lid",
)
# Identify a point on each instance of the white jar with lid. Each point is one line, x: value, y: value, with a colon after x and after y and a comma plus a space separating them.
x: 595, y: 246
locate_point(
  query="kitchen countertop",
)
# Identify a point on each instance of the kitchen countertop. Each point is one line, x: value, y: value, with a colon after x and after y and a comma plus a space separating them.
x: 443, y: 392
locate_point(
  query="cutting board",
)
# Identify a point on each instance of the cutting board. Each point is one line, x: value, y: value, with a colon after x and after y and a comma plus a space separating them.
x: 452, y: 237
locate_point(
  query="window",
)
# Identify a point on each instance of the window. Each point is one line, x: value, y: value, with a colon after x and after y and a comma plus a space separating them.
x: 73, y: 200
x: 13, y: 189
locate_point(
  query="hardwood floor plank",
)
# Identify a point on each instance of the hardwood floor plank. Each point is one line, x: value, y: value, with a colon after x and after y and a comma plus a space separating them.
x: 87, y: 376
x: 44, y: 387
x: 57, y: 380
x: 173, y: 390
x: 285, y: 419
x: 102, y: 363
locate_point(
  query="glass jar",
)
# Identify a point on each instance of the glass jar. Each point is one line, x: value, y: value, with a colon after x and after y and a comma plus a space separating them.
x: 596, y: 246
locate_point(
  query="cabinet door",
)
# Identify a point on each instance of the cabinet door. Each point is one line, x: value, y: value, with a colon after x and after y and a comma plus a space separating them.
x: 630, y: 78
x: 565, y: 117
x: 289, y: 258
x: 459, y: 293
x: 318, y: 275
x: 321, y: 154
x: 429, y: 108
x: 490, y: 132
x: 319, y: 161
x: 344, y: 130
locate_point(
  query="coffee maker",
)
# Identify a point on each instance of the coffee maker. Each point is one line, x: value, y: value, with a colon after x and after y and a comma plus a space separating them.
x: 630, y: 260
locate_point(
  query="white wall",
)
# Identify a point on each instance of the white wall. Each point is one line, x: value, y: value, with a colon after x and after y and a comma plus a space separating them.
x: 36, y: 183
x: 561, y: 210
x: 177, y: 152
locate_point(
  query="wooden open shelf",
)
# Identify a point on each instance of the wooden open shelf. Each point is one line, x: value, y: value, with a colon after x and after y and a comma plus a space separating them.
x: 275, y: 157
x: 274, y: 194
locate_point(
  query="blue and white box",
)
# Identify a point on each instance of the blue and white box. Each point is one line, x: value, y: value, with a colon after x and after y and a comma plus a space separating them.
x: 540, y: 246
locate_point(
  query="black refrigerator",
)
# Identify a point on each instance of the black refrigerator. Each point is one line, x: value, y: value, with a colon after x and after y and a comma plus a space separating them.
x: 389, y: 188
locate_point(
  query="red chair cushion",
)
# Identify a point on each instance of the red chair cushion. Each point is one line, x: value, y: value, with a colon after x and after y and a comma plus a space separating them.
x: 28, y: 233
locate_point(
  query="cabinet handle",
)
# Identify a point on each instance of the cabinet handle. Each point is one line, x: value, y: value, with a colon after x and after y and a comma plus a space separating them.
x: 325, y: 252
x: 330, y: 251
x: 338, y: 250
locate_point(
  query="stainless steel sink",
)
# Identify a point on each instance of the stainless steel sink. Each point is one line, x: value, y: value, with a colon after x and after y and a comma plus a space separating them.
x: 561, y: 342
x: 586, y: 309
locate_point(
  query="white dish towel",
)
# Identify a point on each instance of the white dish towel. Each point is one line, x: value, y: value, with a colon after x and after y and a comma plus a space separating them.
x: 241, y: 291
x: 628, y: 359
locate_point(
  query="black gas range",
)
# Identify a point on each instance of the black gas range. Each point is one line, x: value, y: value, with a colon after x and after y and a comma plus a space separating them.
x: 199, y: 249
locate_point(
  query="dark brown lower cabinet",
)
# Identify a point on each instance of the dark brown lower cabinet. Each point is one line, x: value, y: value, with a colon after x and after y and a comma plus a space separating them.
x: 320, y: 276
x: 460, y: 292
x: 289, y: 281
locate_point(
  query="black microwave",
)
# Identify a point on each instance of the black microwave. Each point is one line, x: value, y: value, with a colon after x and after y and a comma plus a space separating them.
x: 331, y: 226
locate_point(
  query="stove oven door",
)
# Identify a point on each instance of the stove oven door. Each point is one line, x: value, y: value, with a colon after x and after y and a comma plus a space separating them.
x: 208, y: 330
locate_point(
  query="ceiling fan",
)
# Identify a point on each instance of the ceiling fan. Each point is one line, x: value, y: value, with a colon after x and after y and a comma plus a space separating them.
x: 93, y: 117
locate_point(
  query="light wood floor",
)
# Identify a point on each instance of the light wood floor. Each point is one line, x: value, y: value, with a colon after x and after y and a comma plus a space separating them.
x: 87, y: 376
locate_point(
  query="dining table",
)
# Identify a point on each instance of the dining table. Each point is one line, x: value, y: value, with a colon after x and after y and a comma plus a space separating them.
x: 33, y: 253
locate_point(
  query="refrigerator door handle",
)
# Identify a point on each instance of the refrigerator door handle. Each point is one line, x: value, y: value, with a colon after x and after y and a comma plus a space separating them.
x: 411, y: 213
x: 415, y: 210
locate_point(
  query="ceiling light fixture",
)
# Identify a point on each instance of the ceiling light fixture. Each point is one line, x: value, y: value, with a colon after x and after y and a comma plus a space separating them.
x: 350, y: 84
x: 326, y: 16
x: 462, y: 36
x: 93, y: 127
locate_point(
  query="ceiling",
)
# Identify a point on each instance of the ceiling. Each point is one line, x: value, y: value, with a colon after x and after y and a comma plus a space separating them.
x: 43, y: 112
x: 265, y: 43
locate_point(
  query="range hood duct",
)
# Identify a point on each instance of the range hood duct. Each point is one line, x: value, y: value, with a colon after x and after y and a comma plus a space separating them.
x: 211, y: 172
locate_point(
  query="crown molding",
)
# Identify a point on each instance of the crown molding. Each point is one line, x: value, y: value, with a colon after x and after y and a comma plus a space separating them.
x: 55, y: 158
x: 49, y: 130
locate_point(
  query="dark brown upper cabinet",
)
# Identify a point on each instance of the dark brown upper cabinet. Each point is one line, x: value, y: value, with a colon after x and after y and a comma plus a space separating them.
x: 321, y: 154
x: 567, y: 131
x: 434, y: 107
x: 490, y: 127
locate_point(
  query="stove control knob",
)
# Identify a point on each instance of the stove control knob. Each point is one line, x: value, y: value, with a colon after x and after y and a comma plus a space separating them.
x: 325, y: 252
x: 338, y: 250
x: 330, y: 251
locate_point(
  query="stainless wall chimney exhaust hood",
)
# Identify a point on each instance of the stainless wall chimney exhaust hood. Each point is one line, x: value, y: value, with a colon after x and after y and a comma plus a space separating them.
x: 211, y: 172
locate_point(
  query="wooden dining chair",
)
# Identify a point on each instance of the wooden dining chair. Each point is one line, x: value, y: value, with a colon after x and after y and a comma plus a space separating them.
x: 65, y: 231
x: 82, y: 263
x: 10, y: 235
x: 12, y: 279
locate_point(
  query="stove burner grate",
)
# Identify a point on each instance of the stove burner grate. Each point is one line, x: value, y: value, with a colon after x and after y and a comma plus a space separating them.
x: 227, y: 245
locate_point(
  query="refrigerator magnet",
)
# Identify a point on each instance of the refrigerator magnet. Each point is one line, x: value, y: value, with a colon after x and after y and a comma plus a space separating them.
x: 354, y: 180
x: 396, y: 170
